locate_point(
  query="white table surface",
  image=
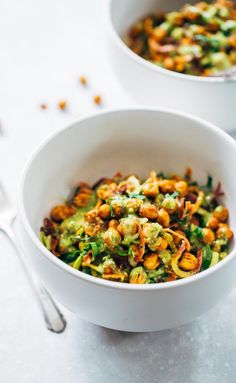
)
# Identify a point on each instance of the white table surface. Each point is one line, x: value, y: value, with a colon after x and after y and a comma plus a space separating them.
x: 45, y: 45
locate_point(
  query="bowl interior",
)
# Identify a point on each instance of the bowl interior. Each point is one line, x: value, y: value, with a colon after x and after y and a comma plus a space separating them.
x: 130, y: 141
x: 124, y: 13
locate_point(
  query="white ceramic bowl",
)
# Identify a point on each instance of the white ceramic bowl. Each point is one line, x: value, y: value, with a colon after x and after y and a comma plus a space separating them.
x: 148, y: 84
x: 129, y: 141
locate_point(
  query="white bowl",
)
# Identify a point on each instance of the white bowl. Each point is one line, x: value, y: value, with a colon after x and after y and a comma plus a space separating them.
x: 136, y: 140
x: 210, y: 98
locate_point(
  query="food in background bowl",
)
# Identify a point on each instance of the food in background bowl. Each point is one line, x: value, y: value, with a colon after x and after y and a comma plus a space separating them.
x: 140, y: 231
x: 209, y: 97
x: 198, y: 39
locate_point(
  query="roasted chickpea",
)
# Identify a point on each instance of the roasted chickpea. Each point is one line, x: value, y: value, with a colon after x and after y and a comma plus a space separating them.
x: 132, y: 205
x: 208, y: 235
x: 91, y: 228
x: 112, y: 238
x: 213, y: 26
x: 151, y: 261
x: 148, y: 25
x: 148, y: 210
x: 113, y: 223
x: 61, y: 212
x: 102, y: 191
x: 113, y: 186
x: 159, y: 33
x: 117, y: 208
x: 82, y: 197
x: 92, y: 215
x: 224, y: 232
x: 169, y: 63
x: 180, y: 62
x: 188, y: 262
x: 163, y: 217
x: 212, y: 223
x: 177, y: 20
x: 150, y: 189
x: 83, y: 80
x: 221, y: 213
x: 167, y: 186
x: 132, y: 184
x: 163, y: 245
x: 107, y: 190
x: 232, y: 41
x: 190, y: 13
x: 181, y: 187
x: 62, y: 104
x: 127, y: 226
x: 203, y: 5
x: 104, y: 211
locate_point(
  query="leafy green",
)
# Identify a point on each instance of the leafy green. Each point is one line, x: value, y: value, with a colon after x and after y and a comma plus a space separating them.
x: 86, y: 270
x: 136, y: 195
x: 204, y: 213
x: 130, y: 238
x: 208, y: 186
x: 207, y: 41
x: 220, y: 244
x: 206, y: 257
x: 120, y: 251
x: 161, y: 175
x: 46, y: 240
x: 94, y: 248
x: 228, y: 25
x: 197, y: 232
x: 173, y: 195
x: 215, y: 258
x: 70, y: 257
x: 78, y: 262
x: 195, y: 235
x: 111, y: 211
x: 181, y: 221
x: 209, y: 182
x: 155, y: 275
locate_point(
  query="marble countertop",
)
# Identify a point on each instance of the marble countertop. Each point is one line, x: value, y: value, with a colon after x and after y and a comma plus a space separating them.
x: 44, y: 47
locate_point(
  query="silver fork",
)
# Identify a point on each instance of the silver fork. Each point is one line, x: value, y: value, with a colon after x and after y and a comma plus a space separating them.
x: 54, y: 319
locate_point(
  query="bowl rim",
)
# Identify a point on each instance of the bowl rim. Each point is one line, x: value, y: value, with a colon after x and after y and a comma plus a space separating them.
x: 89, y: 278
x: 149, y: 65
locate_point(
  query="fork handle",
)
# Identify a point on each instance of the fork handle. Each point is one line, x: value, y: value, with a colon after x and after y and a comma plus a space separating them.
x: 53, y: 317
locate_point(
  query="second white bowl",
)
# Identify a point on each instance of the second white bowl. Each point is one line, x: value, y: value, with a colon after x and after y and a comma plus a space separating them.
x: 210, y: 98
